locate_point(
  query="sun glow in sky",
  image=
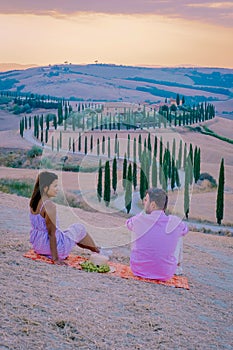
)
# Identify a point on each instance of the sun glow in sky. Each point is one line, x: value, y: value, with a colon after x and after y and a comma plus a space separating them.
x: 162, y: 37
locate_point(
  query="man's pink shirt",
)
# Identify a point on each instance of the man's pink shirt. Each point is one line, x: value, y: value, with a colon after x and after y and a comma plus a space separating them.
x: 154, y: 240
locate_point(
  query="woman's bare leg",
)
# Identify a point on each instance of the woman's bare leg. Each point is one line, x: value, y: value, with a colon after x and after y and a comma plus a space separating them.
x: 88, y: 243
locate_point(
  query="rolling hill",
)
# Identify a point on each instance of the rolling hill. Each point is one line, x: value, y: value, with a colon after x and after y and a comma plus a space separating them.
x: 105, y: 82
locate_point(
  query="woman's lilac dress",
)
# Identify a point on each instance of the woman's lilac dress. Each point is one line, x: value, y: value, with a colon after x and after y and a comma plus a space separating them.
x: 66, y: 240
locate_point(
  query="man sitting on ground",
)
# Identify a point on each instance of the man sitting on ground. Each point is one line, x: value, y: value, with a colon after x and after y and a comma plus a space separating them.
x: 156, y: 250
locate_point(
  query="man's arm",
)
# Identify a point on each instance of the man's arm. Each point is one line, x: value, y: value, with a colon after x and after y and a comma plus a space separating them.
x: 140, y: 223
x: 184, y: 228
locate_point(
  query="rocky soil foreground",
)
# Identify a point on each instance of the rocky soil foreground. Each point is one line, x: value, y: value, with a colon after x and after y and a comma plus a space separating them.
x: 56, y: 307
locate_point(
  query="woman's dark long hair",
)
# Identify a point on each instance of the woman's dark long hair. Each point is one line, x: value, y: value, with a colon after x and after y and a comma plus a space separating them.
x: 44, y: 179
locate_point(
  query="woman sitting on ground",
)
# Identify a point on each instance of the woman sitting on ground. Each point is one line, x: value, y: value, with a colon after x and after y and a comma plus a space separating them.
x: 45, y: 235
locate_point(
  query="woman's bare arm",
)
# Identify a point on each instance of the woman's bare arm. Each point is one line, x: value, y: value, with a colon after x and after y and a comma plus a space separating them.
x: 50, y: 218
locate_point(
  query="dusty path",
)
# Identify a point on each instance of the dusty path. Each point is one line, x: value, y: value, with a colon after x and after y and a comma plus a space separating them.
x: 54, y: 307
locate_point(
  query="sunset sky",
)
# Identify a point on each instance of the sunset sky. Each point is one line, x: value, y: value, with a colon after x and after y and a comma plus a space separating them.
x: 129, y: 32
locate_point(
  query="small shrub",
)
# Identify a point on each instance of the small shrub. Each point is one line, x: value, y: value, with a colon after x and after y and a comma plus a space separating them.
x: 207, y: 176
x: 71, y: 167
x: 46, y: 163
x: 35, y: 151
x: 19, y: 187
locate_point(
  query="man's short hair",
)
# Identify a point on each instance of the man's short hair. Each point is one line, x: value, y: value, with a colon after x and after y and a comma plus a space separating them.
x: 158, y: 196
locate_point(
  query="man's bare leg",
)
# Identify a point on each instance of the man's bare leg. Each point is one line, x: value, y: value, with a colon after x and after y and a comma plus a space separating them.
x: 179, y: 256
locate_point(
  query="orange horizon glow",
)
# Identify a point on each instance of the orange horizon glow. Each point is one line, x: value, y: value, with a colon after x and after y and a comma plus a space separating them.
x: 134, y: 40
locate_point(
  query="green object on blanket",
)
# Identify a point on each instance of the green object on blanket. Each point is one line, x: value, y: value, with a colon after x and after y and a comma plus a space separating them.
x: 90, y: 267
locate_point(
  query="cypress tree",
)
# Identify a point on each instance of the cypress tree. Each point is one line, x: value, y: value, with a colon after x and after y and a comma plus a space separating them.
x: 85, y: 145
x: 118, y: 149
x: 73, y: 146
x: 134, y: 176
x: 116, y: 144
x: 35, y: 126
x: 91, y: 143
x: 60, y: 139
x: 101, y: 122
x: 195, y: 160
x: 107, y: 184
x: 128, y: 189
x: 154, y: 119
x: 66, y: 111
x: 191, y: 152
x: 109, y: 147
x: 60, y: 114
x: 46, y: 135
x: 26, y: 123
x: 220, y: 194
x: 147, y: 170
x: 73, y: 123
x: 160, y: 159
x: 134, y: 150
x: 198, y: 168
x: 173, y: 174
x: 154, y: 175
x: 177, y: 178
x: 65, y: 124
x: 114, y: 175
x: 169, y: 166
x: 128, y: 147
x: 80, y: 142
x: 58, y: 145
x: 42, y: 136
x: 21, y: 128
x: 149, y: 148
x: 119, y: 122
x: 142, y: 180
x: 155, y: 147
x: 110, y: 123
x: 185, y: 156
x: 99, y: 184
x: 103, y: 144
x: 69, y: 143
x: 180, y: 155
x: 55, y: 122
x: 124, y: 174
x: 190, y: 166
x: 164, y: 172
x: 174, y: 149
x: 52, y: 143
x: 98, y: 147
x: 41, y: 121
x: 139, y: 147
x: 145, y: 146
x: 186, y: 192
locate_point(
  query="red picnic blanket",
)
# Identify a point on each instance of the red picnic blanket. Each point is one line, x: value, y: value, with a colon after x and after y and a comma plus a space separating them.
x: 121, y: 270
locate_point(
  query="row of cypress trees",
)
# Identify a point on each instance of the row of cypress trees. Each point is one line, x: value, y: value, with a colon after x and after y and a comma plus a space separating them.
x: 152, y: 173
x: 127, y: 120
x: 129, y: 181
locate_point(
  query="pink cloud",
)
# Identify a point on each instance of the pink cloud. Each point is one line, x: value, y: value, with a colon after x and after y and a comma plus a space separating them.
x: 217, y: 12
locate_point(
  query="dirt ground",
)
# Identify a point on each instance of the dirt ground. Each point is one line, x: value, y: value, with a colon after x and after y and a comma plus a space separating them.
x: 55, y: 307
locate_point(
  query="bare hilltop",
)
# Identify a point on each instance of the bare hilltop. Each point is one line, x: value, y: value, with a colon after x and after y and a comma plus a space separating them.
x: 107, y: 82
